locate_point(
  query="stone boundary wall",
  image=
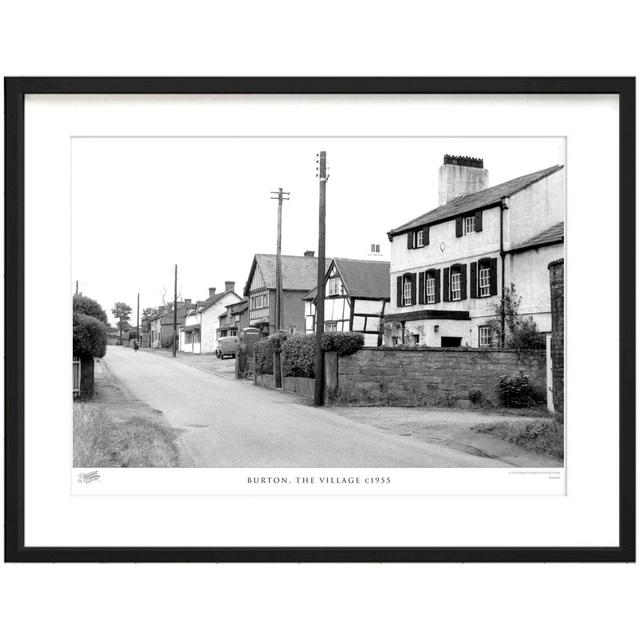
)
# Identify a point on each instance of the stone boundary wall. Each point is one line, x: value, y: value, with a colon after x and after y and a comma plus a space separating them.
x: 431, y: 376
x: 300, y: 386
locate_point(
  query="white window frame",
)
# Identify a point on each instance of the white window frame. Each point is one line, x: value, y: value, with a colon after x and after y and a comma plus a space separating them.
x: 484, y: 282
x: 430, y: 289
x: 419, y: 239
x: 456, y: 286
x: 468, y: 225
x: 485, y: 337
x: 335, y: 287
x: 406, y: 292
x: 331, y: 326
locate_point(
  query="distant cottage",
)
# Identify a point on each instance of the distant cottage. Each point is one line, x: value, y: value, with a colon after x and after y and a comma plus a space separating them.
x: 356, y: 294
x: 299, y: 275
x: 450, y: 266
x: 161, y: 323
x: 200, y: 331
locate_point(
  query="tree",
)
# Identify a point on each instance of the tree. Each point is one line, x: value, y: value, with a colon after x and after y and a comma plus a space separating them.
x: 519, y: 333
x: 147, y: 314
x: 88, y: 306
x: 122, y: 311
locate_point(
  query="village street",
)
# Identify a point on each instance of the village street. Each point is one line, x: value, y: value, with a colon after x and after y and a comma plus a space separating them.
x: 228, y: 423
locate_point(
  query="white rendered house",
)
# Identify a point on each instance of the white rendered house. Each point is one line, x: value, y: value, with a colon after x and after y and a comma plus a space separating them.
x: 198, y: 335
x: 449, y: 266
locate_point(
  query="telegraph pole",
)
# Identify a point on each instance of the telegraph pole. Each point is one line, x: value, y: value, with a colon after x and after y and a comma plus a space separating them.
x: 138, y: 323
x: 279, y: 195
x: 175, y: 309
x: 318, y: 391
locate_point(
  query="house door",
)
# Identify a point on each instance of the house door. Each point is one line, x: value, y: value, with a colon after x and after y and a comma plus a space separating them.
x: 448, y: 341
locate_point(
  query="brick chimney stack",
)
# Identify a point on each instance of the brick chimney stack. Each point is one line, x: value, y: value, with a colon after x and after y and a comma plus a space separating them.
x: 187, y: 302
x: 212, y: 292
x: 309, y: 254
x: 229, y: 285
x: 460, y: 176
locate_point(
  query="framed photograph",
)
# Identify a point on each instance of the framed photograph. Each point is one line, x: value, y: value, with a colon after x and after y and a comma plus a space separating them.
x: 320, y: 319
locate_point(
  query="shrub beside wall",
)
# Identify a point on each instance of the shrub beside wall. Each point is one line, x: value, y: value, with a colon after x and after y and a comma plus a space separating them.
x: 434, y: 376
x: 299, y: 356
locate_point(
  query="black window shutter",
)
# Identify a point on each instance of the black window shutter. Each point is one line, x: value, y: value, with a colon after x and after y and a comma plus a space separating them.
x: 425, y: 229
x: 410, y: 240
x: 477, y: 225
x: 493, y: 275
x: 436, y: 273
x: 458, y: 227
x: 399, y: 290
x: 445, y: 285
x: 463, y: 282
x: 413, y: 288
x: 473, y: 280
x: 421, y: 287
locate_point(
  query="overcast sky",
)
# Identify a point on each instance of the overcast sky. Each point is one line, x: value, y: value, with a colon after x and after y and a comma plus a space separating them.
x: 141, y: 205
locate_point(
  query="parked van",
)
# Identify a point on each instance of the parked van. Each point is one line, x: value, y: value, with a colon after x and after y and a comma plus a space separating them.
x: 227, y: 347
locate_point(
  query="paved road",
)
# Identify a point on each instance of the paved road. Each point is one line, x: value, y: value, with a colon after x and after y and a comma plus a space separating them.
x: 227, y: 423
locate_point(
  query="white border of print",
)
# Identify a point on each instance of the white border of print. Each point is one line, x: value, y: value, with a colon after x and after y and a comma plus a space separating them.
x: 54, y: 517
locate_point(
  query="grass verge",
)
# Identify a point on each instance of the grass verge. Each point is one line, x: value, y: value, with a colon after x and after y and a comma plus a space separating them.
x: 101, y: 441
x: 541, y: 436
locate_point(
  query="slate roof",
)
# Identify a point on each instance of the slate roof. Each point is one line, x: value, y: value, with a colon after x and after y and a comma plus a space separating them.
x: 365, y: 278
x: 362, y: 279
x: 552, y: 235
x: 475, y: 201
x: 236, y: 307
x: 166, y: 317
x: 299, y: 273
x: 203, y: 305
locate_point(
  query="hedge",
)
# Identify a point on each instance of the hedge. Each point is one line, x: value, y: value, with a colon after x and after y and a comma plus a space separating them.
x: 299, y: 356
x: 299, y: 351
x: 265, y: 350
x: 344, y: 343
x: 89, y: 336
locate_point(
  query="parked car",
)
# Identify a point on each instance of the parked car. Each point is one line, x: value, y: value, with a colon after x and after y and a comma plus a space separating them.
x: 227, y: 347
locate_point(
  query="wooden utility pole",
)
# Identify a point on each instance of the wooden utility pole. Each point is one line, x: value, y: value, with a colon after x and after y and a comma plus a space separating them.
x: 76, y: 287
x: 279, y: 195
x: 318, y: 391
x: 138, y: 323
x: 175, y: 309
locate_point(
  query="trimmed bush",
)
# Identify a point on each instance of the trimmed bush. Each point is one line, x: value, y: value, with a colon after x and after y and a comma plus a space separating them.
x: 265, y: 350
x: 89, y: 307
x: 516, y: 390
x: 89, y: 336
x: 343, y: 343
x: 299, y: 356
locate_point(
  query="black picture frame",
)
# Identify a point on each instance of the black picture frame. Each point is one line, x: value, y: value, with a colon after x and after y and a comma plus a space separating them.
x: 15, y: 91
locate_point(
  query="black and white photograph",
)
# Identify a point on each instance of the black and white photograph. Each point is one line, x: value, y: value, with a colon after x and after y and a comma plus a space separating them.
x: 291, y: 324
x: 318, y: 302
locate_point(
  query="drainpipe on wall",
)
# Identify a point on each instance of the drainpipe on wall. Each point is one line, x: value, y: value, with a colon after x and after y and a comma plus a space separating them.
x: 503, y: 207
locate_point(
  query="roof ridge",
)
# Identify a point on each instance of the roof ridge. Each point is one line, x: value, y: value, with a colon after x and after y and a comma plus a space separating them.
x: 535, y: 176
